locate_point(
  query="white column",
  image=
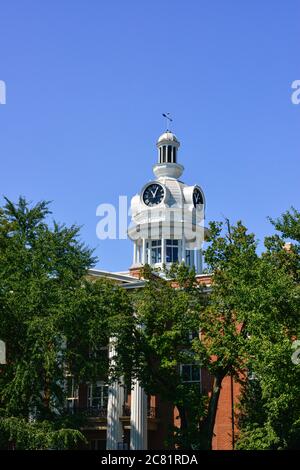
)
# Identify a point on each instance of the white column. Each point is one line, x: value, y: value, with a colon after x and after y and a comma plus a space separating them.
x: 144, y: 257
x: 140, y: 254
x: 183, y: 250
x: 192, y: 258
x: 134, y: 253
x: 163, y: 250
x: 115, y: 403
x: 195, y: 260
x: 138, y: 418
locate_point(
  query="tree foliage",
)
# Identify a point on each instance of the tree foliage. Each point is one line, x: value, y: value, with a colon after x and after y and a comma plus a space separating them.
x: 166, y: 312
x: 54, y: 322
x: 270, y: 407
x: 247, y: 320
x: 169, y: 315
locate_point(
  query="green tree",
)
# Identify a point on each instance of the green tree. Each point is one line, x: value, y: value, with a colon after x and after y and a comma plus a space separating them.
x: 168, y: 315
x: 247, y: 322
x: 54, y: 321
x: 232, y: 259
x: 270, y: 407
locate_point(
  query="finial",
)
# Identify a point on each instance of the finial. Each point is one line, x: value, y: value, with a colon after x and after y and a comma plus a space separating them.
x: 168, y: 118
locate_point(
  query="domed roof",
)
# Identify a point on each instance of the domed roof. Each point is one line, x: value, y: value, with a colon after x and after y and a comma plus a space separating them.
x: 167, y: 136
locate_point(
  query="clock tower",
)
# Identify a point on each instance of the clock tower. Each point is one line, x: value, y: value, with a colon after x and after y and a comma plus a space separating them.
x: 167, y: 215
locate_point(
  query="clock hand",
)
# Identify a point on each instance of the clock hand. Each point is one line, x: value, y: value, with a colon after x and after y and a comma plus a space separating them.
x: 154, y: 192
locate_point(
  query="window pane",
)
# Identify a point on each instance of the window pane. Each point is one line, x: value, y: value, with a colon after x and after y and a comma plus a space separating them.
x: 175, y: 255
x: 169, y: 154
x: 156, y: 254
x: 195, y: 373
x: 168, y: 254
x: 186, y: 373
x: 190, y: 373
x: 105, y: 398
x: 70, y: 387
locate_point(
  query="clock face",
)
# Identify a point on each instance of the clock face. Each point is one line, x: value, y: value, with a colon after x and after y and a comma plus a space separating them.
x: 153, y: 194
x: 197, y: 197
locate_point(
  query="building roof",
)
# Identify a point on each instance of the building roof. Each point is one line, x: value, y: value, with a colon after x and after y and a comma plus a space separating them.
x: 124, y: 279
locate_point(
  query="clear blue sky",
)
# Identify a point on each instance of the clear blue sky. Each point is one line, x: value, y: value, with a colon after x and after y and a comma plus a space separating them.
x: 87, y: 82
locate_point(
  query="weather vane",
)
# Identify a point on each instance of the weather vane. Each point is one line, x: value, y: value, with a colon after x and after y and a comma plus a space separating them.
x: 168, y: 118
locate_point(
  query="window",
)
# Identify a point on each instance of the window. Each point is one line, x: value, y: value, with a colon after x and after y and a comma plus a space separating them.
x: 72, y: 393
x: 169, y: 154
x: 164, y: 154
x: 97, y: 395
x: 155, y: 251
x: 188, y: 257
x: 190, y: 373
x: 174, y: 154
x: 171, y: 251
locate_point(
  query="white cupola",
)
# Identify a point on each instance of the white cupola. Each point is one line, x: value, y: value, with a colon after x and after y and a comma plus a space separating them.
x: 167, y: 146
